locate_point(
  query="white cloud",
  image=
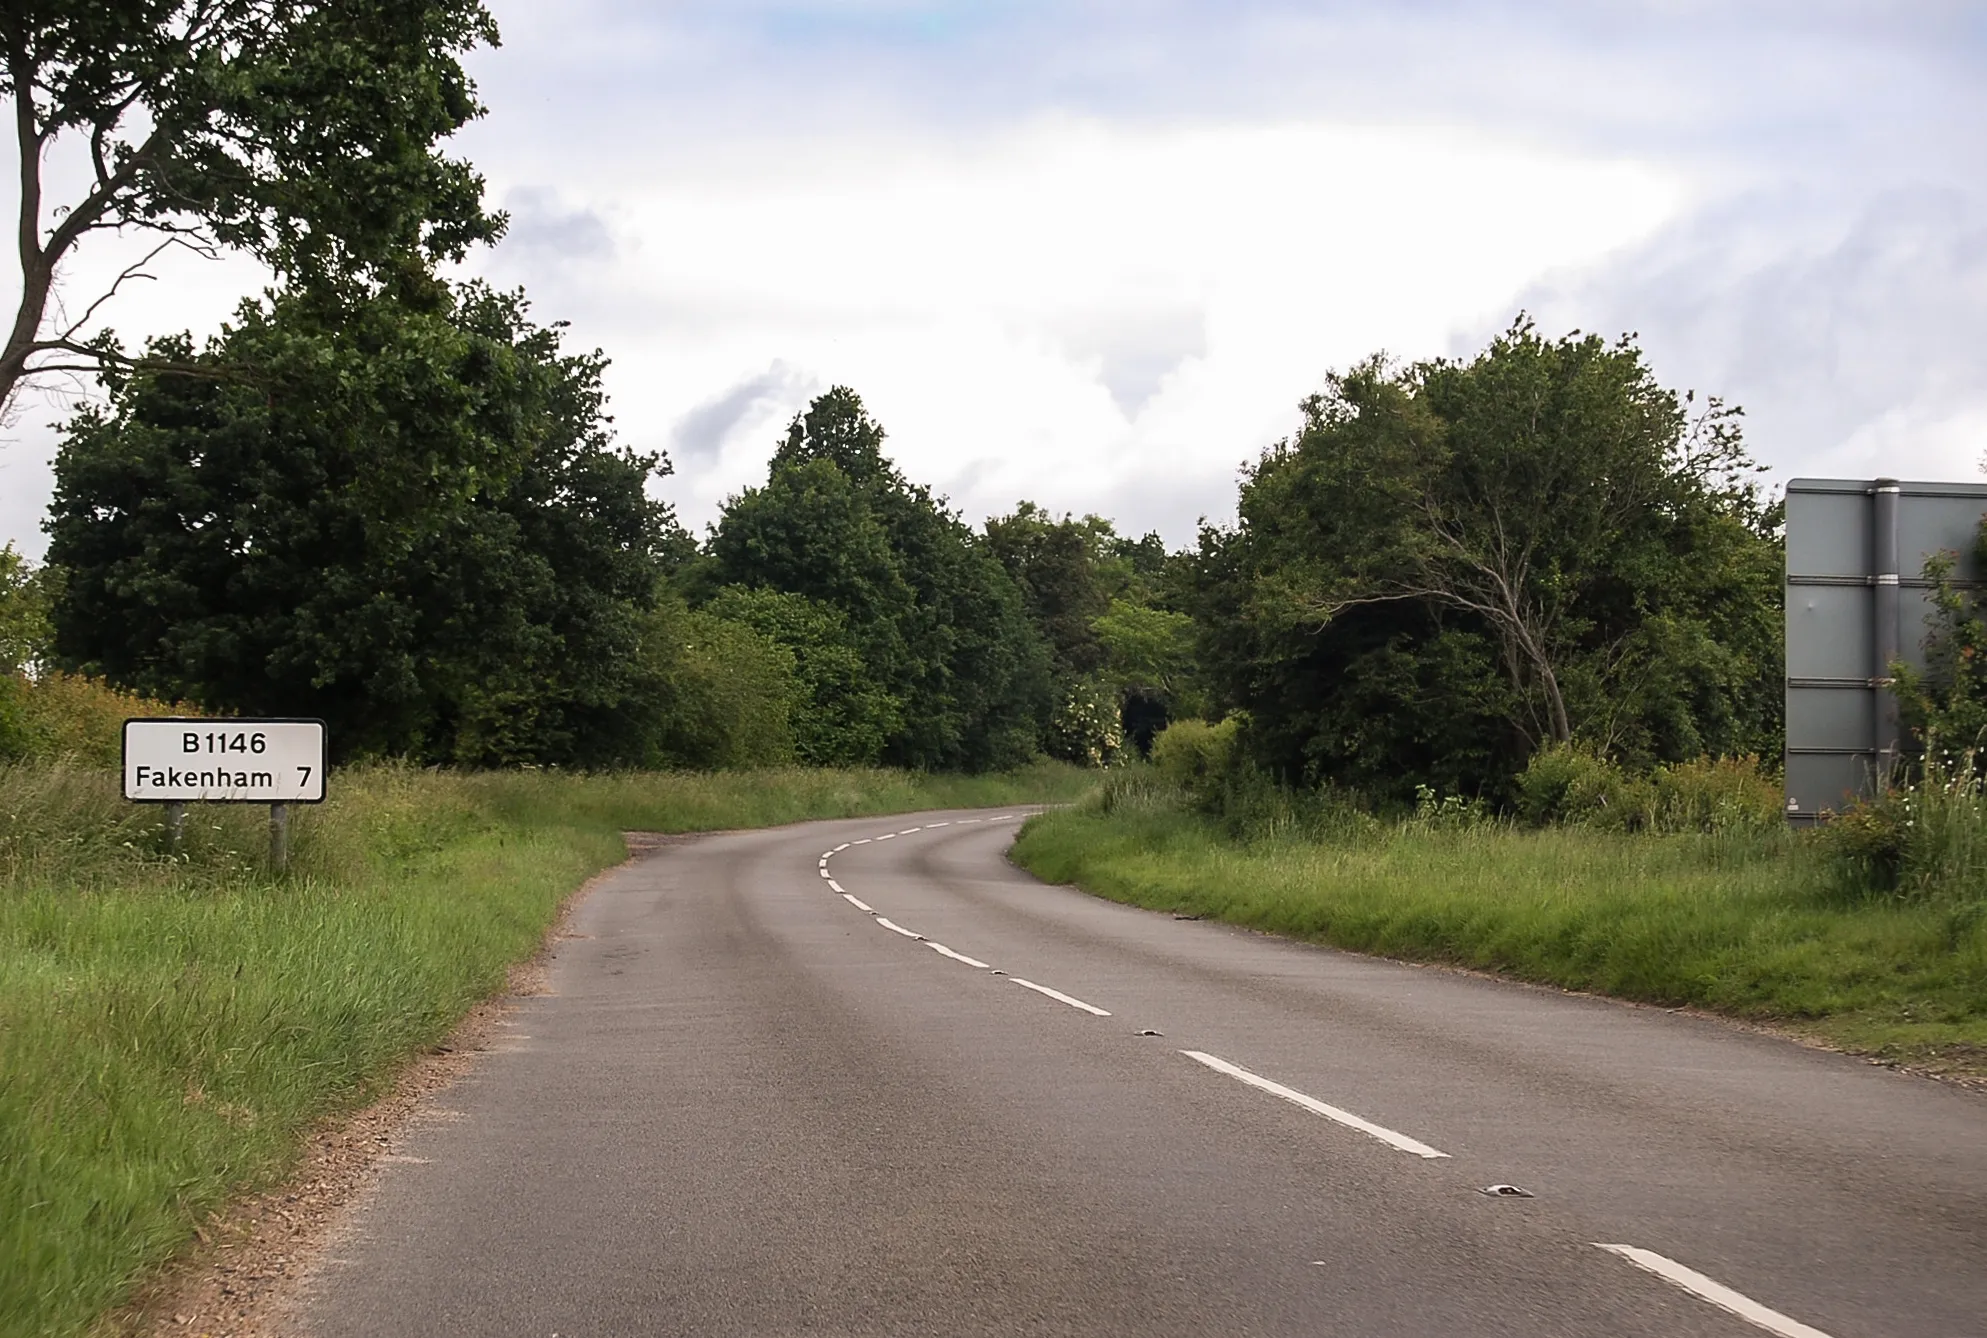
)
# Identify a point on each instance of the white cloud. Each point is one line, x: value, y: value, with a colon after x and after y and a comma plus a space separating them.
x: 1093, y: 253
x: 1068, y: 309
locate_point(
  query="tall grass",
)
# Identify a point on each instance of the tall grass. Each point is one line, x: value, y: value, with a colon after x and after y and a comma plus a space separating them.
x: 1745, y: 922
x: 171, y: 1023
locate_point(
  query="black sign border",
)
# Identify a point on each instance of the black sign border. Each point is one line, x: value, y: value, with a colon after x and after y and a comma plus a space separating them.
x: 124, y: 751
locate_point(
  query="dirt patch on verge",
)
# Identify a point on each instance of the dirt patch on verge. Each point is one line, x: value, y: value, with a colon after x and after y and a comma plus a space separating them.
x: 245, y: 1274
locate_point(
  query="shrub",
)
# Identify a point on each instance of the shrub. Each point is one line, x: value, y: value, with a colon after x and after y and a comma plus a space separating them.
x: 68, y: 716
x: 1570, y: 784
x: 1921, y: 841
x: 1717, y: 794
x: 1085, y: 727
x: 1193, y: 753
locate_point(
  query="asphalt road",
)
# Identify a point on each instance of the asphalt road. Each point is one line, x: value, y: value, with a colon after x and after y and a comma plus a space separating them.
x: 755, y: 1104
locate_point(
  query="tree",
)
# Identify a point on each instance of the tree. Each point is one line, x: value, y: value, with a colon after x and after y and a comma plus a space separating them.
x: 301, y: 131
x: 1545, y: 508
x: 24, y: 598
x: 841, y: 716
x: 720, y: 695
x: 939, y: 624
x: 1056, y: 564
x: 413, y: 522
x: 1097, y: 597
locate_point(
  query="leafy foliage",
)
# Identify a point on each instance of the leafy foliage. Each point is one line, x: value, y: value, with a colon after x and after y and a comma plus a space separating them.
x: 1456, y: 563
x: 724, y: 696
x: 414, y: 525
x: 841, y: 716
x: 304, y: 132
x: 938, y: 622
x: 1948, y: 699
x: 1573, y: 785
x: 1099, y: 601
x: 24, y: 598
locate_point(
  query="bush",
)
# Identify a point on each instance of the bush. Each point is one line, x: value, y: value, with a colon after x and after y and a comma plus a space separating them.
x: 1085, y: 727
x: 69, y: 716
x: 1571, y: 785
x: 1922, y: 841
x: 1717, y: 794
x: 727, y: 693
x: 1197, y: 757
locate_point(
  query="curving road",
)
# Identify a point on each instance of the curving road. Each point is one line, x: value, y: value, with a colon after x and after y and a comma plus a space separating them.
x: 866, y: 1078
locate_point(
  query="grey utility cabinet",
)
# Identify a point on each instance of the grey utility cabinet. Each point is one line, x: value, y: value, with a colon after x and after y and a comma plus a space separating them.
x: 1857, y: 602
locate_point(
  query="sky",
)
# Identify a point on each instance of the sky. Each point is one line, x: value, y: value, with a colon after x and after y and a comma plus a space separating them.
x: 1093, y: 254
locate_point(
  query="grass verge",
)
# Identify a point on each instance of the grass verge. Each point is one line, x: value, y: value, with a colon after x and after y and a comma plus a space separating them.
x: 1740, y: 924
x: 171, y: 1026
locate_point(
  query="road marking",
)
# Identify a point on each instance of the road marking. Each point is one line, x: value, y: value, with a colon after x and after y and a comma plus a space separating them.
x: 930, y: 825
x: 840, y: 848
x: 1315, y: 1106
x: 834, y: 886
x: 1716, y: 1293
x: 891, y: 836
x: 1059, y: 996
x: 858, y: 904
x: 898, y: 929
x: 824, y: 862
x: 863, y: 842
x: 908, y: 830
x: 957, y: 956
x: 823, y: 871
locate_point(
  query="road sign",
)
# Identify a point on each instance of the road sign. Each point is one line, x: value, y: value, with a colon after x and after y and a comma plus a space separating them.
x: 180, y: 761
x: 1857, y: 602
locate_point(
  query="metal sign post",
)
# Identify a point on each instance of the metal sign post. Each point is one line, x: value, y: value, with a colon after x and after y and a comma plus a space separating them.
x: 176, y: 761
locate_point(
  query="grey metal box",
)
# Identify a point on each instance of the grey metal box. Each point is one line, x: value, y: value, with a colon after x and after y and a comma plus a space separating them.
x: 1857, y: 601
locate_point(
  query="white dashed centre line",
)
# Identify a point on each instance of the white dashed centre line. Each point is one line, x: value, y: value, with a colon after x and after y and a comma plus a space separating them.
x: 1716, y: 1293
x: 940, y: 948
x: 1316, y: 1107
x: 1059, y: 996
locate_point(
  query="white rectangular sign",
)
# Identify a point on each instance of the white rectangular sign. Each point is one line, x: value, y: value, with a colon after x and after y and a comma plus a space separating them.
x: 224, y: 761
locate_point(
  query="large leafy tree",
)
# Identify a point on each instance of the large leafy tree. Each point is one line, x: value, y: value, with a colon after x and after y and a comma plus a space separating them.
x: 843, y: 715
x: 1120, y: 657
x: 939, y: 623
x: 1455, y: 563
x: 411, y: 520
x: 304, y: 132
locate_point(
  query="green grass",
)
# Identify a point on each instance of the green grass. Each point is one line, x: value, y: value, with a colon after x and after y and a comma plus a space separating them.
x: 1749, y: 925
x: 171, y: 1026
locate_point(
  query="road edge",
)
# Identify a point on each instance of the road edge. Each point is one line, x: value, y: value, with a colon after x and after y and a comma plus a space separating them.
x: 246, y: 1271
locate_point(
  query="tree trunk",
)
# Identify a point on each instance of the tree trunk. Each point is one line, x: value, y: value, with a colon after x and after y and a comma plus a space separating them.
x: 37, y: 269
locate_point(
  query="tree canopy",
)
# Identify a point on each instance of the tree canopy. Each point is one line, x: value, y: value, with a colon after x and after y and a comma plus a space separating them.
x: 1101, y: 602
x: 413, y: 522
x: 956, y: 673
x: 1455, y: 563
x: 304, y: 132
